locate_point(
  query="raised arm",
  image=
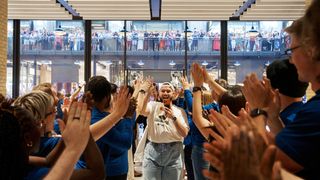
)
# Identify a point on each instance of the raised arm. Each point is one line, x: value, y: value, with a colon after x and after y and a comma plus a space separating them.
x: 201, y: 123
x: 144, y: 96
x: 219, y: 90
x: 77, y: 126
x: 187, y: 93
x: 121, y: 105
x: 75, y: 94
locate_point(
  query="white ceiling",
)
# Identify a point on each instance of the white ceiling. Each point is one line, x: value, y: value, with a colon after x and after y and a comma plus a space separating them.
x: 275, y: 10
x: 170, y: 9
x: 36, y: 9
x: 112, y: 9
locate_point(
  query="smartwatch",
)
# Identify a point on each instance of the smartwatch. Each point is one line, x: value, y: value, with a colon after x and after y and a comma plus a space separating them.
x: 195, y: 89
x: 257, y: 112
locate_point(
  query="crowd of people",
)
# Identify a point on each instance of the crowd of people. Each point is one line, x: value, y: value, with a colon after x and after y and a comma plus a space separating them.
x: 260, y: 130
x: 198, y: 40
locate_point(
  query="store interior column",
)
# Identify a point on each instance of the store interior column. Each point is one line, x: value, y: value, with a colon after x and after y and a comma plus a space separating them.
x: 3, y: 44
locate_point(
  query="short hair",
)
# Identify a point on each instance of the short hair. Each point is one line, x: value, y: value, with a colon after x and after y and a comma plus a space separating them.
x: 45, y: 87
x: 284, y: 76
x: 295, y: 28
x: 99, y: 87
x: 311, y: 29
x: 37, y: 102
x: 233, y: 98
x: 114, y: 88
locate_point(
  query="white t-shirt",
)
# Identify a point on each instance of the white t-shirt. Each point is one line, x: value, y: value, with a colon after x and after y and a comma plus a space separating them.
x: 161, y: 128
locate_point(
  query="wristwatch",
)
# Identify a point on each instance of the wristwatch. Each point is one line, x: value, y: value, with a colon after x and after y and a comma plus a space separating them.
x: 195, y: 89
x: 257, y: 112
x: 142, y: 91
x: 174, y: 119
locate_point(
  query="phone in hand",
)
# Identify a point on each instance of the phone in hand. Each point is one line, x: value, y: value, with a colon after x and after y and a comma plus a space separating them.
x: 167, y: 103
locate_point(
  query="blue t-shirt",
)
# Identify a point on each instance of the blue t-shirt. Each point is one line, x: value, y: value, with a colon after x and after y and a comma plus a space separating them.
x: 47, y: 144
x: 196, y: 137
x: 37, y: 173
x: 114, y: 145
x: 289, y: 113
x: 300, y: 140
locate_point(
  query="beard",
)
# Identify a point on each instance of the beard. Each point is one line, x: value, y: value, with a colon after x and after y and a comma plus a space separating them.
x: 167, y: 97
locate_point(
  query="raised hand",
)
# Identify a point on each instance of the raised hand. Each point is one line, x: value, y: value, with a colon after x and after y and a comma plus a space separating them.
x: 257, y: 92
x: 77, y: 126
x: 184, y: 82
x: 238, y: 157
x: 122, y: 101
x: 147, y: 84
x: 197, y: 75
x: 207, y: 77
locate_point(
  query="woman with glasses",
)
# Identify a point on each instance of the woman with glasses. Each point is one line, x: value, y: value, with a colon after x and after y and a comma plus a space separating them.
x: 41, y: 106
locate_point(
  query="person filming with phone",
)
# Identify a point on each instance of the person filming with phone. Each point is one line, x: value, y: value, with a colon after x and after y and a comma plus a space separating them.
x: 167, y: 127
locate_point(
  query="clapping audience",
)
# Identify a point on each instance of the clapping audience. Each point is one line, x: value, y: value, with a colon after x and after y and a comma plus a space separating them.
x: 260, y: 130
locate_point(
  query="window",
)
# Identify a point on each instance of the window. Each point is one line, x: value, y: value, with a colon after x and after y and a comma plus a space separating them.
x: 204, y: 45
x: 253, y: 45
x: 155, y: 48
x: 108, y: 50
x: 52, y: 51
x: 9, y: 59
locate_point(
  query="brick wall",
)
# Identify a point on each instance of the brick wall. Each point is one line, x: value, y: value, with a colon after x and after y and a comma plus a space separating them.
x: 3, y: 44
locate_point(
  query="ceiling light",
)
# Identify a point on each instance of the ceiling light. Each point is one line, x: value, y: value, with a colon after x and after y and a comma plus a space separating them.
x: 237, y: 64
x: 141, y: 63
x: 267, y: 63
x: 204, y: 63
x: 172, y: 63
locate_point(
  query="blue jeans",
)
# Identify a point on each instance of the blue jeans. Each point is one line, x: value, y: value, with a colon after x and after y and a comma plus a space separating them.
x: 163, y: 161
x: 198, y: 162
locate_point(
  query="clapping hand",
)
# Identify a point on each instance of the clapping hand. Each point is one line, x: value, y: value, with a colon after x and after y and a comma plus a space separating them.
x: 77, y: 126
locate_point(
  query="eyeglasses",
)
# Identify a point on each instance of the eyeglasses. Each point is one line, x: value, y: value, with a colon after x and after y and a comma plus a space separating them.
x: 289, y: 51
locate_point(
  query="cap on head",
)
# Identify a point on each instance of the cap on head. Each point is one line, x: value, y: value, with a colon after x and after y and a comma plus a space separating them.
x: 167, y: 84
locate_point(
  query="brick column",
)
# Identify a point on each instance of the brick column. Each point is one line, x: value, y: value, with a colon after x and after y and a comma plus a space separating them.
x: 308, y: 2
x: 3, y: 44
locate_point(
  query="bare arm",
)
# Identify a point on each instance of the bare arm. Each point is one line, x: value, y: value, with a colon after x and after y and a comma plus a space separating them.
x: 219, y: 90
x: 197, y: 118
x: 199, y: 77
x: 75, y: 94
x: 75, y: 128
x: 144, y: 96
x: 287, y: 163
x: 181, y: 126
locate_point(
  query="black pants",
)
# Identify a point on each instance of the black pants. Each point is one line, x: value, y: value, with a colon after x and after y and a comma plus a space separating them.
x: 188, y: 161
x: 120, y: 177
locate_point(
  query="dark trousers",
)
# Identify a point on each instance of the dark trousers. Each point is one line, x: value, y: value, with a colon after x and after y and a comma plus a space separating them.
x: 120, y: 177
x: 188, y: 161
